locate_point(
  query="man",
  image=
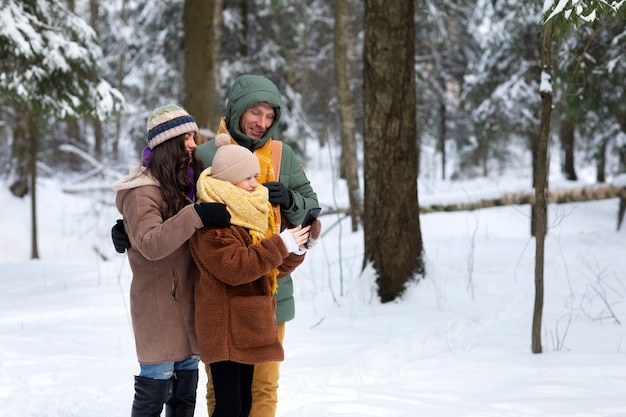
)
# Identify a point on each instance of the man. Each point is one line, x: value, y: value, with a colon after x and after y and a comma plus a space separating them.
x: 253, y: 111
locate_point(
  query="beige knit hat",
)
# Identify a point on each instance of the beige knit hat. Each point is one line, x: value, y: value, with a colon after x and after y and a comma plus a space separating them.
x: 234, y: 163
x: 167, y: 122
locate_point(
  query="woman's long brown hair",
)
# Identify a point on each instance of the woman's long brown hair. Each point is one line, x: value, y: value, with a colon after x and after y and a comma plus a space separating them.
x: 168, y: 165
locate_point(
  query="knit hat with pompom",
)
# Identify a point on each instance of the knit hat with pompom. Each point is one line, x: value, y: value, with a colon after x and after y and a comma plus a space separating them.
x: 167, y: 122
x: 233, y: 163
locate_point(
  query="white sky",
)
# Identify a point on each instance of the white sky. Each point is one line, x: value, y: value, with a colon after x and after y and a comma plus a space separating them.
x: 457, y: 345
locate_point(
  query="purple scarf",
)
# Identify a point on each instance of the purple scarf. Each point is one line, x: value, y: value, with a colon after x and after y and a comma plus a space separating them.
x: 145, y: 158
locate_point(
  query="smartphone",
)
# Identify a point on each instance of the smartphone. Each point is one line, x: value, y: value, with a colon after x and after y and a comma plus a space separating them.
x: 311, y: 216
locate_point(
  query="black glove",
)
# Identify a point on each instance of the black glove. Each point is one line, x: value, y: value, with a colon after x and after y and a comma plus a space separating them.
x: 119, y: 237
x: 279, y: 194
x: 213, y: 214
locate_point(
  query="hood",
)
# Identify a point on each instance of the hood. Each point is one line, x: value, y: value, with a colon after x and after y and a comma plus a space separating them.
x: 137, y: 177
x: 246, y: 92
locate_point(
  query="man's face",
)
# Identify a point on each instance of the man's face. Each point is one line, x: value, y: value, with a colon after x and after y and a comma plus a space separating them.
x: 256, y: 120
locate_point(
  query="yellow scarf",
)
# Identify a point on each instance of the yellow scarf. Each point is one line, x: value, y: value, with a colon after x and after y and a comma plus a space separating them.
x: 251, y: 210
x: 264, y: 155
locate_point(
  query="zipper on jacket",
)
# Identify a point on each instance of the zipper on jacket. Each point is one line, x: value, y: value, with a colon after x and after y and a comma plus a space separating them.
x: 174, y: 286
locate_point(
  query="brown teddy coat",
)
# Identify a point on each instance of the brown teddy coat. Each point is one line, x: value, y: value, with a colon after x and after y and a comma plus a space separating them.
x: 164, y: 273
x: 235, y: 309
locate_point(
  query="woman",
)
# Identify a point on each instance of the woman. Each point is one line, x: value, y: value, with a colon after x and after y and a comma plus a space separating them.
x: 156, y: 201
x: 235, y: 306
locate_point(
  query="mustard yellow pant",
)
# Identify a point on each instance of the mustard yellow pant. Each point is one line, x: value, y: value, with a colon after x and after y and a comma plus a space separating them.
x: 264, y: 385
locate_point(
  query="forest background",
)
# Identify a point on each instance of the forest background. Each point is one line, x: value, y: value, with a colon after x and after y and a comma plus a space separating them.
x: 78, y: 79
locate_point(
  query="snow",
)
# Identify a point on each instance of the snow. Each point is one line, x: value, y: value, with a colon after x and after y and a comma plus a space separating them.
x: 558, y: 9
x: 579, y: 7
x: 457, y: 344
x: 546, y: 83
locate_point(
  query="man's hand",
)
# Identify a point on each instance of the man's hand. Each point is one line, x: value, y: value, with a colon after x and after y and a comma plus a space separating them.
x: 279, y: 194
x: 119, y: 237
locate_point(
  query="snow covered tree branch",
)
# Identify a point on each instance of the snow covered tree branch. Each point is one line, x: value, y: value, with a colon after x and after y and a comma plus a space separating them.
x: 50, y: 61
x: 575, y: 12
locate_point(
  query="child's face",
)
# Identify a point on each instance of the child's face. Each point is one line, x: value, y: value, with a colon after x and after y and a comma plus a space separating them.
x: 248, y: 184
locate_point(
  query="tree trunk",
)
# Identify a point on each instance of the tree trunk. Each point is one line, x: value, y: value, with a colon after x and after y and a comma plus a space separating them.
x: 393, y: 240
x: 98, y: 135
x: 32, y: 132
x: 534, y: 144
x: 601, y: 162
x: 120, y: 71
x: 621, y: 119
x: 243, y: 46
x: 74, y: 137
x: 441, y: 143
x: 349, y: 165
x: 20, y: 153
x: 567, y: 147
x: 622, y: 201
x: 94, y: 17
x: 27, y: 131
x: 541, y: 185
x: 620, y: 213
x: 203, y: 21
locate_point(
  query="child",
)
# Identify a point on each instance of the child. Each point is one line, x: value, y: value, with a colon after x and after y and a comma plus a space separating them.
x: 239, y: 266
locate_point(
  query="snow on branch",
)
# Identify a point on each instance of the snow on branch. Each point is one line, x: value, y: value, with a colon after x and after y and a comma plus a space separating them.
x: 52, y: 62
x: 575, y: 11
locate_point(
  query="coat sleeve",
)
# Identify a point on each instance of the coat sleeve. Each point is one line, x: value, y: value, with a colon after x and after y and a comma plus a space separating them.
x: 229, y: 256
x: 289, y: 264
x: 148, y: 233
x: 293, y: 177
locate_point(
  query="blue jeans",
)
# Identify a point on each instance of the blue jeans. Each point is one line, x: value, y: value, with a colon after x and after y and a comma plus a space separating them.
x: 165, y: 370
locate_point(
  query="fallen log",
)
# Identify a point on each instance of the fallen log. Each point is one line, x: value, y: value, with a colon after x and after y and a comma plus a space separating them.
x: 557, y: 196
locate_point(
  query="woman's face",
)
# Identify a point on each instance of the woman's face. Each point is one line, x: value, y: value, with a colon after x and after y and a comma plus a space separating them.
x: 190, y: 144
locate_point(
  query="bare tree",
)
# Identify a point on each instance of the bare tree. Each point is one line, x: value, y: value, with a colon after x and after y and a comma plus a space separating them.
x: 554, y: 20
x: 539, y: 213
x: 349, y: 165
x: 393, y: 240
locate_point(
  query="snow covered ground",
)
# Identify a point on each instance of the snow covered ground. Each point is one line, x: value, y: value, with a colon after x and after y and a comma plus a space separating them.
x: 456, y: 345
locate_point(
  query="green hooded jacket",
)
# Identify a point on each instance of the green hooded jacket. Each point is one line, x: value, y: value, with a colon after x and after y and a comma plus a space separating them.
x: 246, y: 92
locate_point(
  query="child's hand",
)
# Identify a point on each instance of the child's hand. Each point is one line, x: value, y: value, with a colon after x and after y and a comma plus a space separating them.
x: 300, y: 234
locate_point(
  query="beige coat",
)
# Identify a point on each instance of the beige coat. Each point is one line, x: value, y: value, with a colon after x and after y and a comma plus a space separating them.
x: 164, y: 273
x: 235, y: 310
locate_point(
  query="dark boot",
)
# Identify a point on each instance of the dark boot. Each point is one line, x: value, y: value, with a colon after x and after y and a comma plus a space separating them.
x: 182, y: 402
x: 150, y: 395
